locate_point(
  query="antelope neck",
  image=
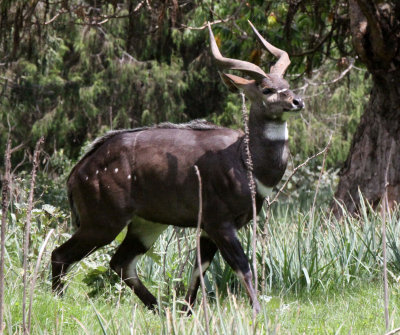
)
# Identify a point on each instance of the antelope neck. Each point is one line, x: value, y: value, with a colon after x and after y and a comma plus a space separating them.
x: 268, y: 147
x: 276, y: 131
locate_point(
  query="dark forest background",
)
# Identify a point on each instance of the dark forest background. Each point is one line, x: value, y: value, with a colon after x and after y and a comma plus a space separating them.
x: 72, y: 70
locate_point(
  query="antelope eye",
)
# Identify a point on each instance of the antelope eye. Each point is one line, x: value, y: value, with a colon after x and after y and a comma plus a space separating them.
x: 268, y: 91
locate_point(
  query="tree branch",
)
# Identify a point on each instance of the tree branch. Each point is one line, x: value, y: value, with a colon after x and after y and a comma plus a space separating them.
x: 205, y: 25
x: 36, y: 163
x: 4, y: 213
x: 358, y: 28
x: 371, y: 13
x: 296, y: 169
x: 315, y: 48
x: 380, y: 35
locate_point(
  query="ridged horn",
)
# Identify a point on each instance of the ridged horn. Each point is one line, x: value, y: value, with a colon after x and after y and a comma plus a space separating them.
x: 283, y: 62
x: 234, y: 64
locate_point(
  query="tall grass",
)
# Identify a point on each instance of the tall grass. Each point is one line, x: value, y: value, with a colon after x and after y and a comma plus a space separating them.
x: 298, y: 255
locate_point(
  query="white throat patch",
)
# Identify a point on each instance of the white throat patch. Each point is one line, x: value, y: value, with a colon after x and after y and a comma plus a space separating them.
x: 276, y: 131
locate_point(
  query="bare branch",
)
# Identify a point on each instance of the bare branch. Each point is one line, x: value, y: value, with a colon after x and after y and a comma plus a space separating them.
x: 27, y: 231
x: 139, y: 5
x: 252, y: 186
x: 220, y: 20
x: 62, y: 11
x: 320, y: 176
x: 313, y: 83
x: 205, y: 24
x: 385, y: 207
x: 199, y: 219
x: 4, y: 212
x: 19, y: 146
x: 296, y: 169
x: 342, y: 74
x: 393, y: 332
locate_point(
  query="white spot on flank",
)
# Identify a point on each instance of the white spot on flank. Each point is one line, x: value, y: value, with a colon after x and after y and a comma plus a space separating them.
x: 97, y: 171
x: 129, y: 176
x: 116, y: 170
x: 105, y: 169
x: 276, y: 131
x: 86, y: 178
x: 263, y: 190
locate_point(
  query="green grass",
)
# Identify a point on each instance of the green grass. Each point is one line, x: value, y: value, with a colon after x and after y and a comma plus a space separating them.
x: 316, y: 276
x: 352, y: 310
x: 357, y: 309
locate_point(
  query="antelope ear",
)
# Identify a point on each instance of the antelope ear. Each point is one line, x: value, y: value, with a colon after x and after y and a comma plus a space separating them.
x: 234, y: 83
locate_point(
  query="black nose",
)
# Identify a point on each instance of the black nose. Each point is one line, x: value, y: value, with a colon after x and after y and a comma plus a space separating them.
x: 298, y: 103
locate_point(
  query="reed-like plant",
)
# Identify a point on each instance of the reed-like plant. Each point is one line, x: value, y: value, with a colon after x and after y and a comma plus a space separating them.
x: 298, y: 255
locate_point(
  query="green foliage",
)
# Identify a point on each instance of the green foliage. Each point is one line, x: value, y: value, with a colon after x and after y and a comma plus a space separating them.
x: 305, y: 250
x: 71, y: 81
x: 43, y: 218
x: 302, y: 255
x: 331, y: 109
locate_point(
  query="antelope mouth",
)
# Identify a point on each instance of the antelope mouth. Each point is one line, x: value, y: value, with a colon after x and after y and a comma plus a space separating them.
x: 295, y: 107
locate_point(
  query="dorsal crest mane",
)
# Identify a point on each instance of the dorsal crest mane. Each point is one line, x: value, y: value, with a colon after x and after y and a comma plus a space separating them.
x: 198, y: 124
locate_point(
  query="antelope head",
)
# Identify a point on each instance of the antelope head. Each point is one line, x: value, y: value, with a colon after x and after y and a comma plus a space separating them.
x: 269, y: 92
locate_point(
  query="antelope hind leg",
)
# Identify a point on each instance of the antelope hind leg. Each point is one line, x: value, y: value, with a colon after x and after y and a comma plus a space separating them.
x: 80, y: 245
x: 140, y: 237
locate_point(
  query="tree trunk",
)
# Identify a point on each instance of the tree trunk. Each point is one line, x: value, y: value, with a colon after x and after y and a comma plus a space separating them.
x: 374, y: 156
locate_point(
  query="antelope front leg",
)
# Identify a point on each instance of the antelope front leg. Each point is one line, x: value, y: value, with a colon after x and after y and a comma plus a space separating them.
x: 231, y: 250
x: 207, y: 252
